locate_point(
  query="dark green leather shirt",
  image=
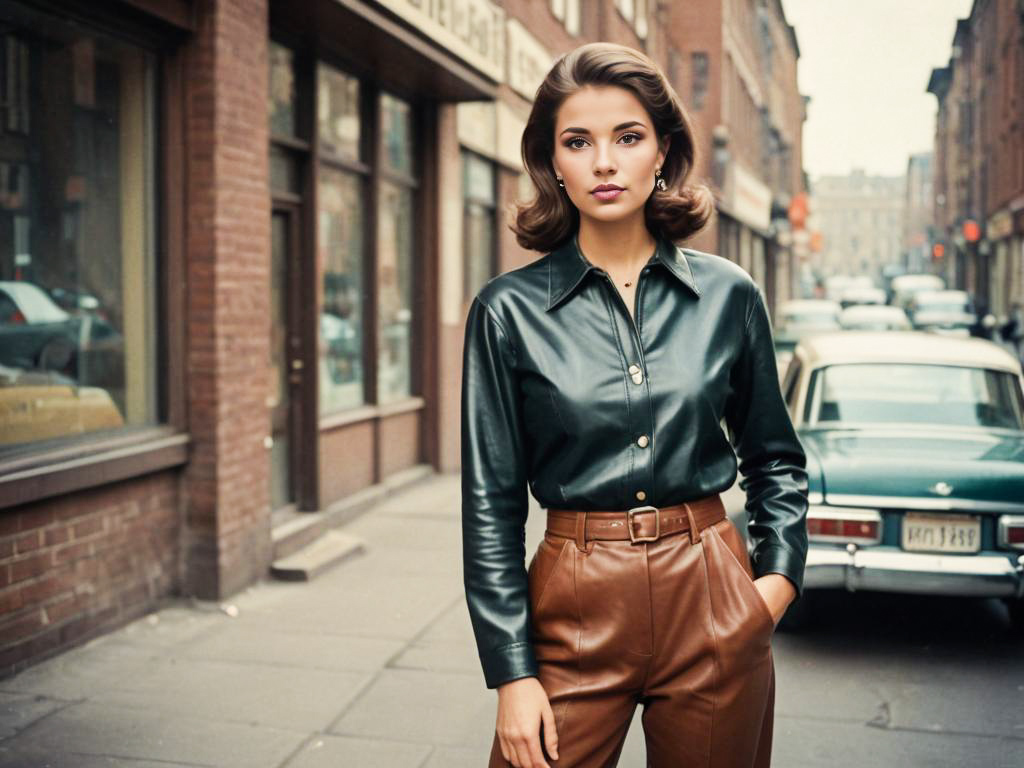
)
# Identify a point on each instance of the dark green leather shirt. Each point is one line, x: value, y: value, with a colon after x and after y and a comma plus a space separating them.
x: 564, y: 394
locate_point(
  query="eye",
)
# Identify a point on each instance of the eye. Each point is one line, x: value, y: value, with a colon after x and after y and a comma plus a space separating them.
x: 636, y: 136
x: 572, y: 141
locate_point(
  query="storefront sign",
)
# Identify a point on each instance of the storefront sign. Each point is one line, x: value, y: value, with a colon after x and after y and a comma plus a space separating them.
x: 528, y: 60
x: 473, y: 30
x: 1000, y: 225
x: 749, y: 200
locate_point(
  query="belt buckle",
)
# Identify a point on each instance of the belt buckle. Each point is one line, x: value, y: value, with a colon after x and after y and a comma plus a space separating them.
x: 657, y: 524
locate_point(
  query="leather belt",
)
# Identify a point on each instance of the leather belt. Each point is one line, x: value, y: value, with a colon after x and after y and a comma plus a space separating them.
x: 637, y: 524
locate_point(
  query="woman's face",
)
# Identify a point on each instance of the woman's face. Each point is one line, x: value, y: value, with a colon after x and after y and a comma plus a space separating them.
x: 603, y: 135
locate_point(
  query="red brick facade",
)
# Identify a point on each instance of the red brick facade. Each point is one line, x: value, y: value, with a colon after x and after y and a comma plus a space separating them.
x: 227, y: 527
x: 81, y: 564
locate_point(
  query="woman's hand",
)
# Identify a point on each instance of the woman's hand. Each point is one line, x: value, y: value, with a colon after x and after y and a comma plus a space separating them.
x: 778, y: 592
x: 522, y: 706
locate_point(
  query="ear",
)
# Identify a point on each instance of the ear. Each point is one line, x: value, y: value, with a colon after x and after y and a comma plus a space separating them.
x: 663, y: 152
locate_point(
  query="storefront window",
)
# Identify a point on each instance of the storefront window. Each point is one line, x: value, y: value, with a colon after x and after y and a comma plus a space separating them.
x: 338, y: 113
x: 77, y: 304
x: 396, y: 128
x: 479, y: 217
x: 281, y: 95
x: 340, y: 199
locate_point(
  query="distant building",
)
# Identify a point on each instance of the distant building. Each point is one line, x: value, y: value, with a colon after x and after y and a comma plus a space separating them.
x: 917, y: 221
x: 734, y: 64
x: 861, y: 221
x: 979, y: 156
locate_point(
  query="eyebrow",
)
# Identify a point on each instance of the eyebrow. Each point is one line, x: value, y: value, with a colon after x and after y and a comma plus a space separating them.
x: 618, y: 127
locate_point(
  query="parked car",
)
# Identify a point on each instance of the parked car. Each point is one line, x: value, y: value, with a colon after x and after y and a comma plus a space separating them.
x: 868, y: 317
x: 949, y: 311
x: 904, y: 287
x: 36, y: 405
x: 36, y: 334
x: 915, y: 451
x: 798, y: 318
x: 861, y: 294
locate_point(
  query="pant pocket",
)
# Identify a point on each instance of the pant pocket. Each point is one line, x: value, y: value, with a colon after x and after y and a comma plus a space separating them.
x: 554, y: 616
x: 735, y: 560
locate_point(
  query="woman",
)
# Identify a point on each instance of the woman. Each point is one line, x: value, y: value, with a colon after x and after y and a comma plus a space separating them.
x: 599, y: 376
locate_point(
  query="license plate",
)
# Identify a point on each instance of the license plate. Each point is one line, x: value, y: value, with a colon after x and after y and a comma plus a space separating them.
x: 941, y: 533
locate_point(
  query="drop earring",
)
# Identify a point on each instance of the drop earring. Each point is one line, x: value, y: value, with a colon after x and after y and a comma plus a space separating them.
x: 560, y: 182
x: 660, y: 183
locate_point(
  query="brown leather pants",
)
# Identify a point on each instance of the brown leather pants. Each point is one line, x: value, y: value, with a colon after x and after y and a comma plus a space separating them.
x: 678, y: 627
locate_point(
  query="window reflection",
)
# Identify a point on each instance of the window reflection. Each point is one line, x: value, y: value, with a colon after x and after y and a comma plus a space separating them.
x: 340, y: 200
x: 77, y: 344
x: 338, y: 113
x: 394, y: 283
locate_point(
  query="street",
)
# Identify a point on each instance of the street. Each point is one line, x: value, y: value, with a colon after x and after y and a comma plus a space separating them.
x: 373, y: 664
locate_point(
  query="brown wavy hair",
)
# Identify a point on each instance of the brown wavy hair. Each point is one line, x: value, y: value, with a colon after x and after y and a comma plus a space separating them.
x: 549, y: 218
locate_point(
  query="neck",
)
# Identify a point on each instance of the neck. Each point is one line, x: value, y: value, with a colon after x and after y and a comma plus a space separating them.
x: 615, y: 246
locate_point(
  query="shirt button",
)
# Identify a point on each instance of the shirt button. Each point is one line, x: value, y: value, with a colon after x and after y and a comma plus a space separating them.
x: 638, y: 378
x: 641, y: 495
x: 634, y: 369
x: 642, y: 441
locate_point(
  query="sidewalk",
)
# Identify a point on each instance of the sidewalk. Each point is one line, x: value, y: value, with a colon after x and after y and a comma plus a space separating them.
x: 371, y: 665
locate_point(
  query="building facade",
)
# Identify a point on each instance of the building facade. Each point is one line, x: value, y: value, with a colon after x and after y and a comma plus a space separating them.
x: 734, y: 64
x: 238, y: 242
x: 861, y: 220
x: 979, y: 156
x: 919, y: 214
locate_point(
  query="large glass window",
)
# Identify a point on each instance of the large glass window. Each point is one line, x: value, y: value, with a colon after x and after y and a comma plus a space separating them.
x: 340, y: 199
x: 395, y: 253
x: 77, y: 303
x: 479, y: 219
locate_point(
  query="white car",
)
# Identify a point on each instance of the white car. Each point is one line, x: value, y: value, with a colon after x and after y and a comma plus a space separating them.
x: 868, y: 317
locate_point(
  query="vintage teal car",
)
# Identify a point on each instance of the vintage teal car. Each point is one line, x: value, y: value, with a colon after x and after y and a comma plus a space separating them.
x: 915, y: 451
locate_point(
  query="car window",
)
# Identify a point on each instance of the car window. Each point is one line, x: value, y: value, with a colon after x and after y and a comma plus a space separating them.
x: 917, y: 393
x: 789, y: 383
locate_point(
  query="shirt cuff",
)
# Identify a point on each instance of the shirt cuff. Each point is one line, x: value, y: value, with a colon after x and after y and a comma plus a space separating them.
x: 781, y: 560
x: 509, y: 663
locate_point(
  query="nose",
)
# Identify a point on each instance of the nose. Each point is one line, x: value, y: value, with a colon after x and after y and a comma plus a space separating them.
x: 603, y: 164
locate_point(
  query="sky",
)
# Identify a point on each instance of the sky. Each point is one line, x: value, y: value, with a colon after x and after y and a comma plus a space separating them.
x: 865, y: 64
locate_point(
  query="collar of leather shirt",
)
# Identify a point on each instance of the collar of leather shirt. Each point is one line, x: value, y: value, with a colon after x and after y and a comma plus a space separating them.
x: 567, y: 265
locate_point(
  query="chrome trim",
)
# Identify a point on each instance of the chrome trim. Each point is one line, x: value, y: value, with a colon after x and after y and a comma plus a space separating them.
x: 1002, y: 536
x: 917, y: 502
x: 846, y: 513
x: 815, y: 497
x: 913, y: 572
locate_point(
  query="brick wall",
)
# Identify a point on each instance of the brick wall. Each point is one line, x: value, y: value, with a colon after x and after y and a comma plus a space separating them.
x: 227, y: 525
x: 82, y: 564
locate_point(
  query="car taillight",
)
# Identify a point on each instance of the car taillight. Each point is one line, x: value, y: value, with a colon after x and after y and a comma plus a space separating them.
x: 844, y: 524
x: 1010, y: 531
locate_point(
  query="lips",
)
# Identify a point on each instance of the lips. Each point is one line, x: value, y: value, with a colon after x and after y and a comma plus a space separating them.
x: 607, y: 192
x: 606, y: 188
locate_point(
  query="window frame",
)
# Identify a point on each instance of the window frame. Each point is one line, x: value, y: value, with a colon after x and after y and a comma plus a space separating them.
x: 42, y: 470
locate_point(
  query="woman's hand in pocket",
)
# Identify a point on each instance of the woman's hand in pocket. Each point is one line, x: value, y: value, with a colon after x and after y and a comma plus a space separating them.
x: 522, y: 707
x: 778, y: 592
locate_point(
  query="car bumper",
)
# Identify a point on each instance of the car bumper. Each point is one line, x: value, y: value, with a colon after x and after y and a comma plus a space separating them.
x: 889, y: 570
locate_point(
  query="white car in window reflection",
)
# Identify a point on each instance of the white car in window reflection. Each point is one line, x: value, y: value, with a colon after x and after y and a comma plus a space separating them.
x: 915, y: 453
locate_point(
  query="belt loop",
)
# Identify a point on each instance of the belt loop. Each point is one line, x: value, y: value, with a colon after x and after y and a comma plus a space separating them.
x: 581, y: 531
x: 694, y: 534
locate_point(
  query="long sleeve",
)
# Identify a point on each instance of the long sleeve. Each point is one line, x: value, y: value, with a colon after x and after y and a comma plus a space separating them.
x: 494, y: 500
x: 771, y: 458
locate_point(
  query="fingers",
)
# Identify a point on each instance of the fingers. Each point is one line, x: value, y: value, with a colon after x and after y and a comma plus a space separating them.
x: 523, y: 751
x: 550, y: 733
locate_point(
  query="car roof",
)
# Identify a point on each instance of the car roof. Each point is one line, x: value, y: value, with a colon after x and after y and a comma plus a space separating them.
x: 943, y: 295
x: 918, y: 347
x: 809, y: 305
x: 874, y: 310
